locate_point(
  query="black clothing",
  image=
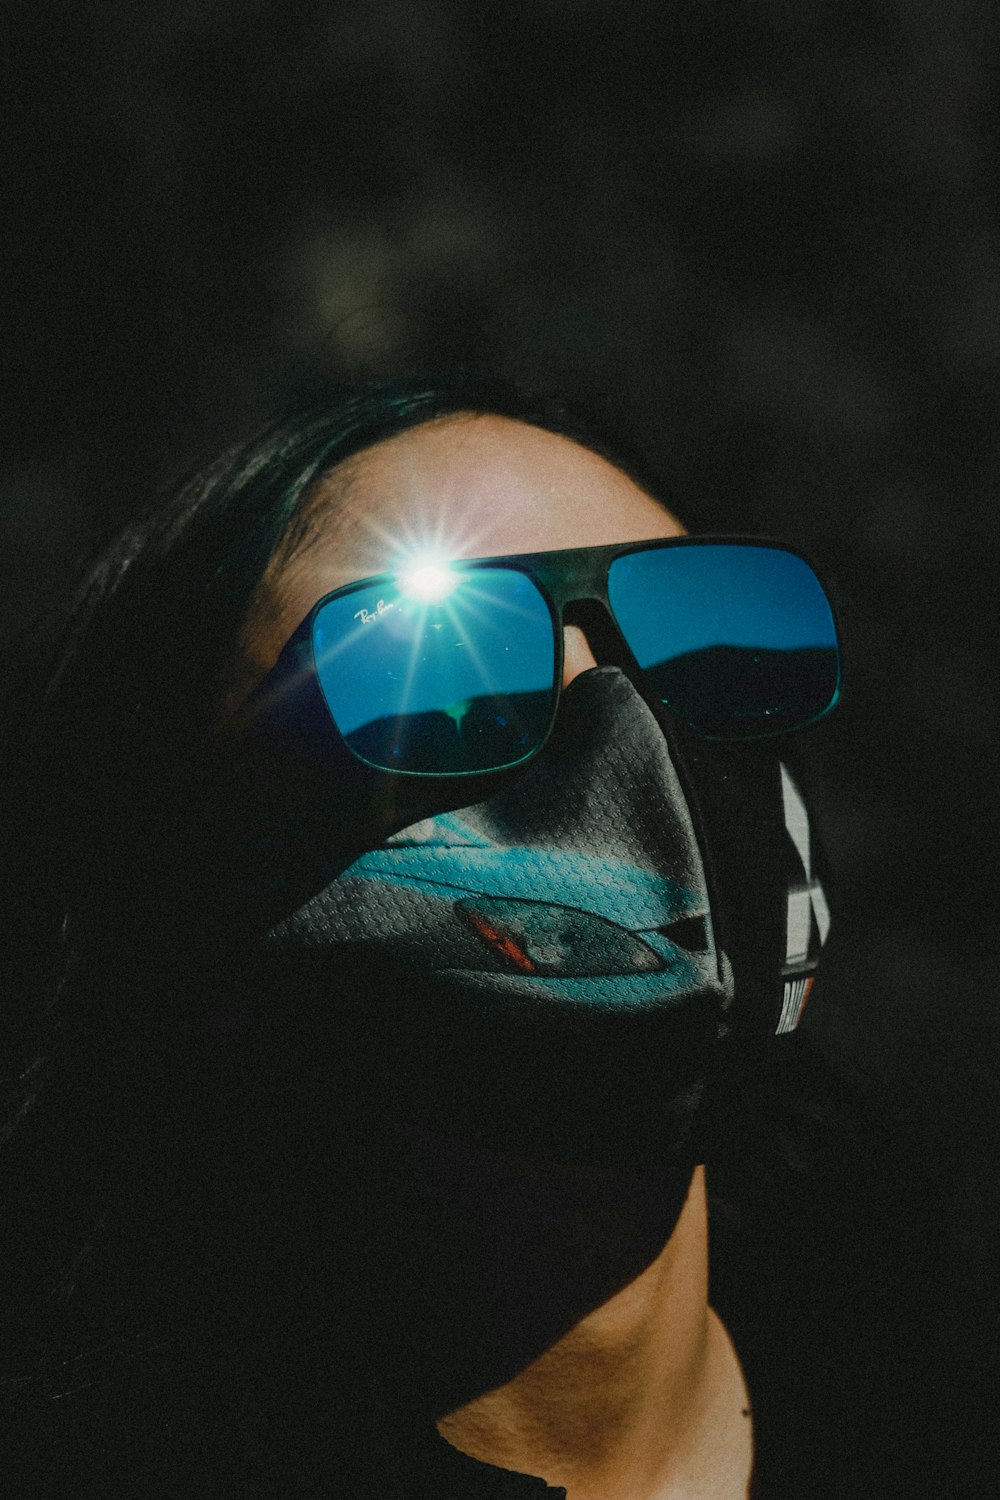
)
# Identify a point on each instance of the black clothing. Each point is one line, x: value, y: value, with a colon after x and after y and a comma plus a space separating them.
x: 826, y: 1269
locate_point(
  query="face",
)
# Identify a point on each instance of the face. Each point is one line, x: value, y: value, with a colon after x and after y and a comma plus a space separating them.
x: 464, y: 486
x: 551, y: 903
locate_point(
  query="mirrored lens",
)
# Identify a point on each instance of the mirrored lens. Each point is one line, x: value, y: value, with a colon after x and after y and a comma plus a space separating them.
x: 737, y: 639
x: 463, y: 680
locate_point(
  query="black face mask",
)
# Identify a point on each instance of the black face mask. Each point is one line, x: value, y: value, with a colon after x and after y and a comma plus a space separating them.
x: 537, y: 973
x: 552, y: 969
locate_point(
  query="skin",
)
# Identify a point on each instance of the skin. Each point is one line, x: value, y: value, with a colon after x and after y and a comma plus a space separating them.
x: 642, y: 1395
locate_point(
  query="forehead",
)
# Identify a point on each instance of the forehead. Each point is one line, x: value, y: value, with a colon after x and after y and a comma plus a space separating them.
x: 461, y: 486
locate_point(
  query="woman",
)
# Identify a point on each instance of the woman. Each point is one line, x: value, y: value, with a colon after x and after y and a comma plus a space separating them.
x: 380, y: 1060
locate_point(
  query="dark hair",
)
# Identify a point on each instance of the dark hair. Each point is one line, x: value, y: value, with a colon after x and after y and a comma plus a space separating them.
x: 126, y: 1143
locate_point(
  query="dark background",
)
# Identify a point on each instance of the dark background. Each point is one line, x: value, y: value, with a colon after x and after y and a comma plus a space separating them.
x: 765, y: 233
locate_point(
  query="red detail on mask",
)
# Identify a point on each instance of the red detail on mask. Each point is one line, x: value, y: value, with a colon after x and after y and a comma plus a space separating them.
x: 502, y: 942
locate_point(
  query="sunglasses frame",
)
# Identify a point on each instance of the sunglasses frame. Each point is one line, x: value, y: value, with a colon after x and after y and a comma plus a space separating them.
x: 573, y: 583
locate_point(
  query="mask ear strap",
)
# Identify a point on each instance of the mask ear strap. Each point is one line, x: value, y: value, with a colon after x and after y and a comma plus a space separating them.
x: 808, y: 913
x: 735, y: 796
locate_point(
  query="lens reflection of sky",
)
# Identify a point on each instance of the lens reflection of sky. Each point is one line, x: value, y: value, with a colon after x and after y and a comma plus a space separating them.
x: 682, y: 599
x: 381, y: 653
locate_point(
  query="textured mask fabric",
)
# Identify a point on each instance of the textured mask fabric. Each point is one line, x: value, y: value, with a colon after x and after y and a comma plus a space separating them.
x: 537, y: 972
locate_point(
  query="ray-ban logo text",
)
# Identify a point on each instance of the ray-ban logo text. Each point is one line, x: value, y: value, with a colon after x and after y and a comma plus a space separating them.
x: 366, y: 616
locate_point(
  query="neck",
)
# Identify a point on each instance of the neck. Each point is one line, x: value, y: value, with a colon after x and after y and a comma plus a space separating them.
x: 642, y: 1396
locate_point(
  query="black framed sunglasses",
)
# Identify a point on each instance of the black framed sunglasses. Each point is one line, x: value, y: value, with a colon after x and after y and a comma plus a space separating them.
x: 455, y: 668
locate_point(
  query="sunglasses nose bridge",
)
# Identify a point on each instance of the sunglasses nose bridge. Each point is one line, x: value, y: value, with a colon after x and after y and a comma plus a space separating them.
x: 592, y: 616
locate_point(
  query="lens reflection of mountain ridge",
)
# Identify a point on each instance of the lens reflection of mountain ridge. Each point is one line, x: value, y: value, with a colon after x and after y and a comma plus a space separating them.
x: 738, y: 691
